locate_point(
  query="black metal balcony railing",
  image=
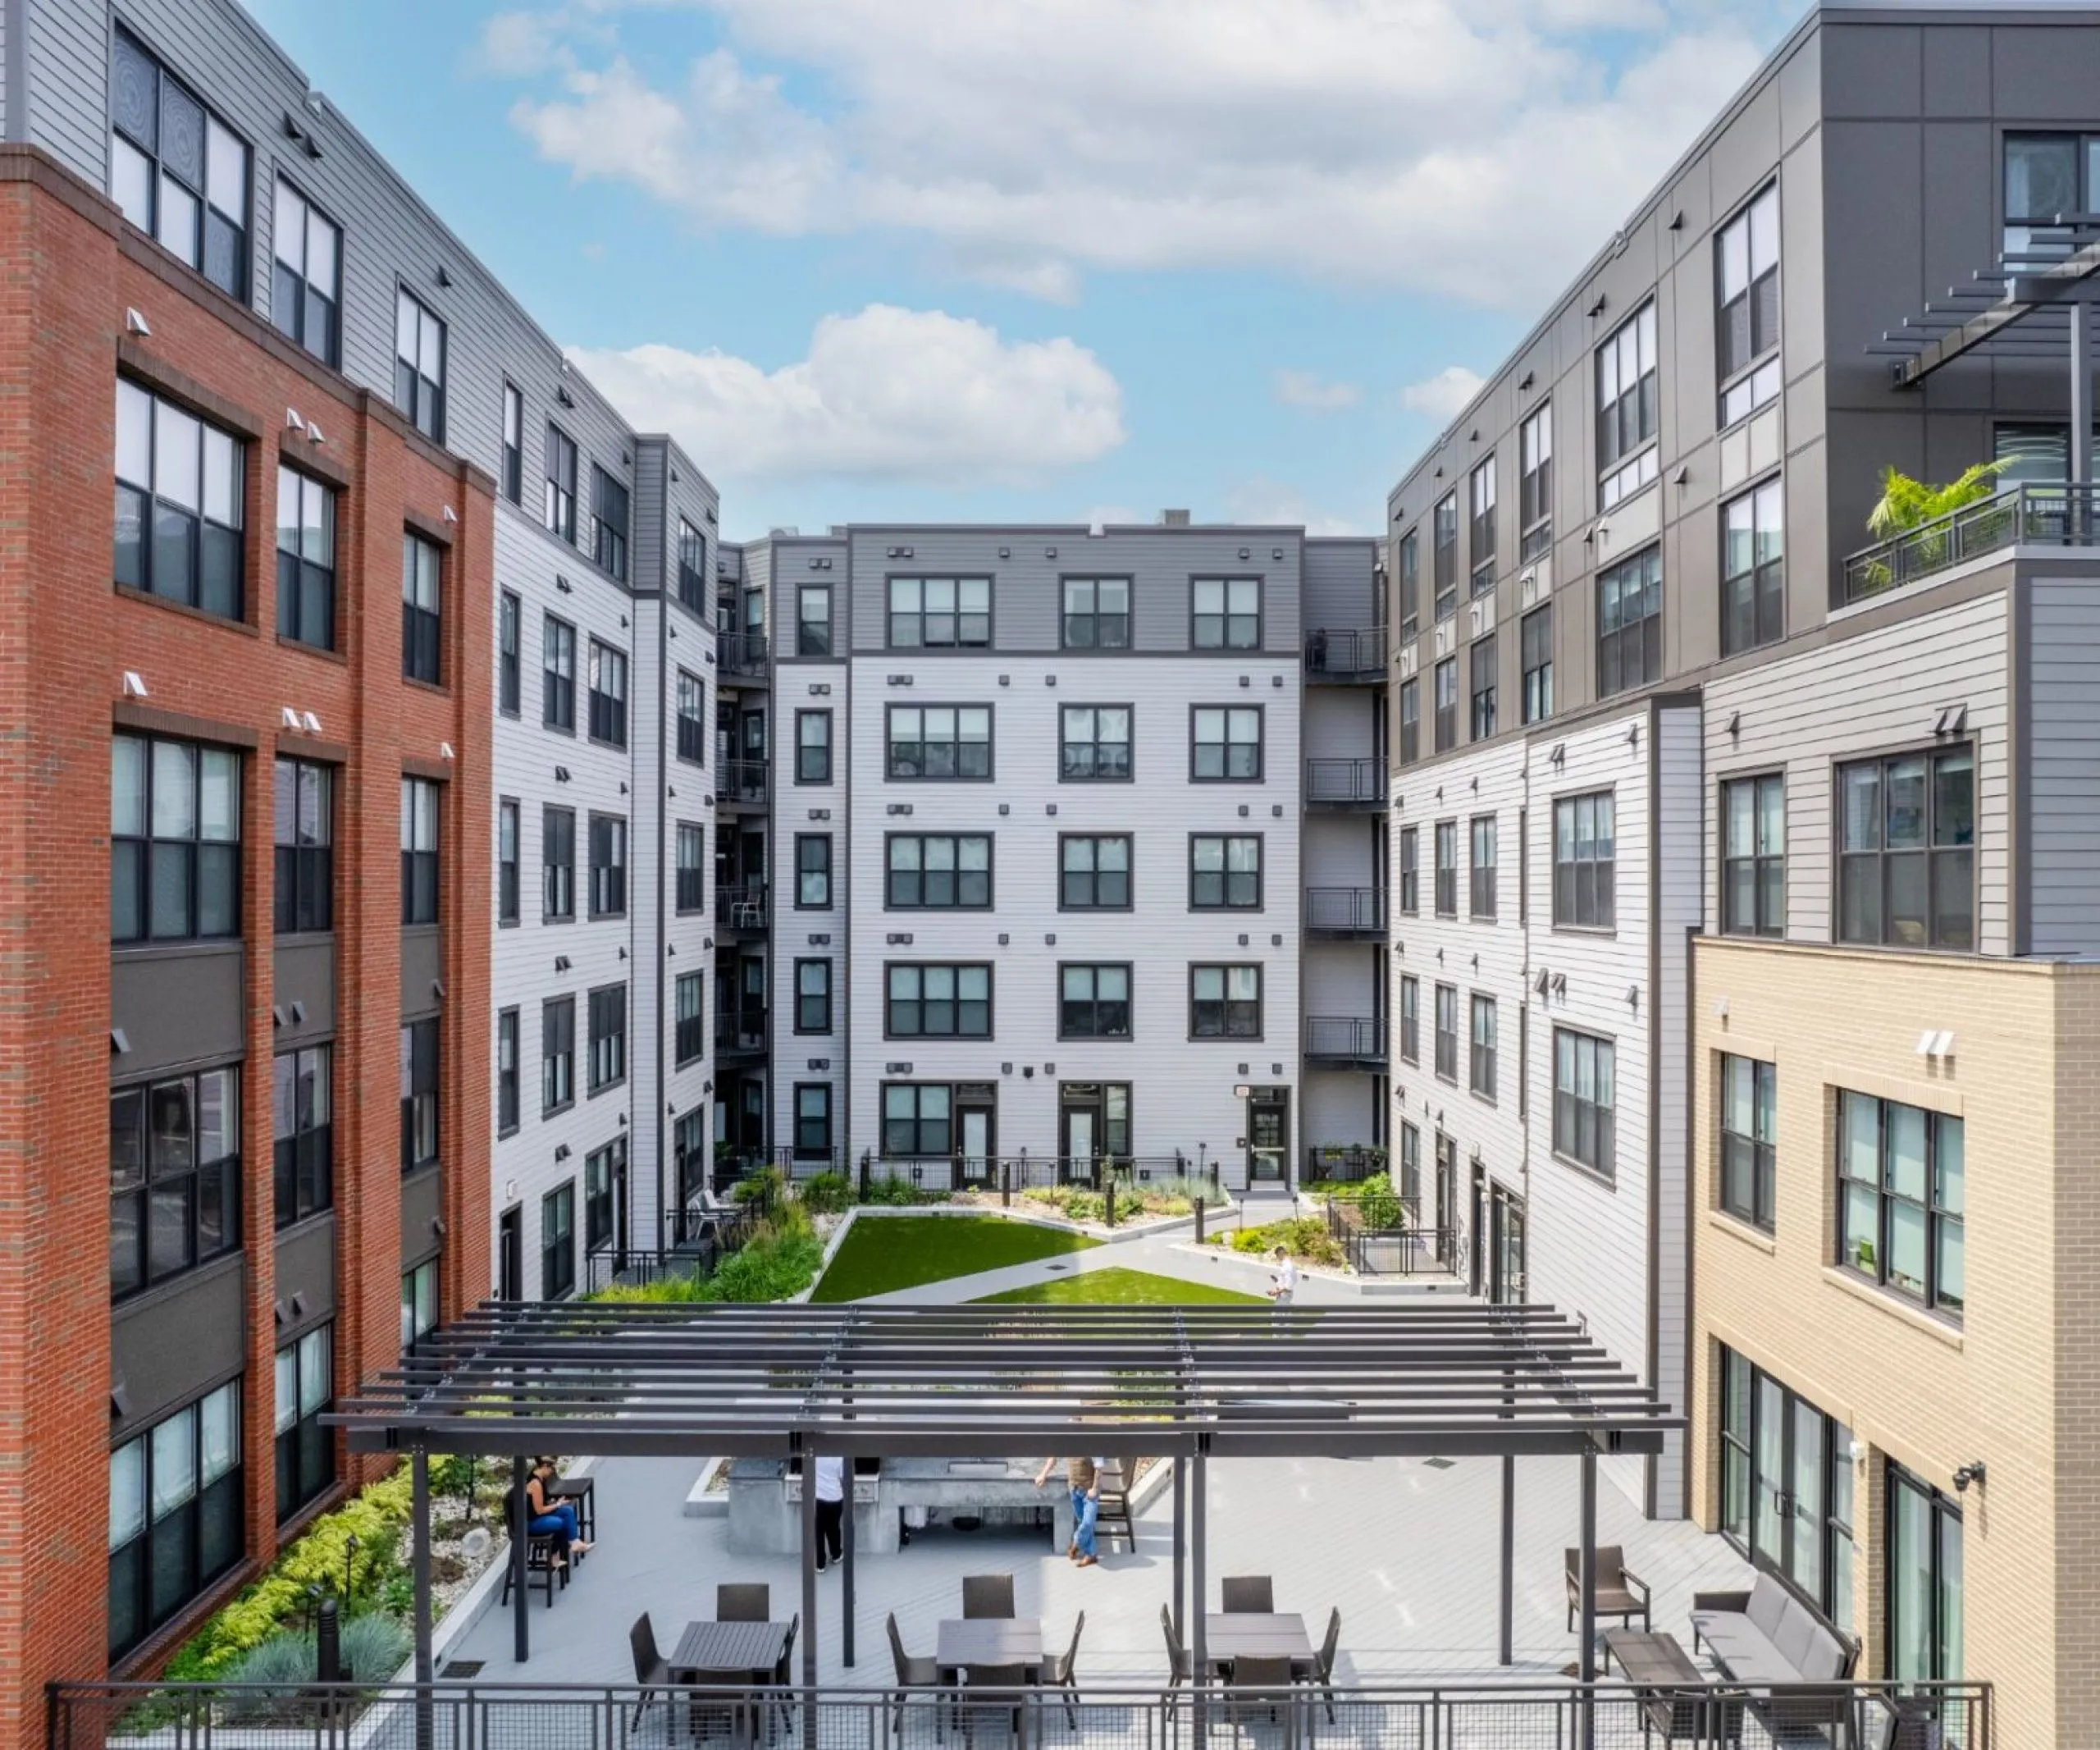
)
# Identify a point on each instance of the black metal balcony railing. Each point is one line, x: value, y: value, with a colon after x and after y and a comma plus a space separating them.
x: 740, y: 653
x: 1345, y: 911
x: 744, y: 906
x: 1345, y: 784
x: 2048, y: 514
x: 1345, y: 1038
x: 741, y: 1029
x: 1344, y: 1162
x: 1358, y: 655
x: 742, y: 780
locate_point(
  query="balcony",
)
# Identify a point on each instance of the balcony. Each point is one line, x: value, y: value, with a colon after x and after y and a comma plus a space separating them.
x: 743, y: 783
x: 741, y: 1032
x: 745, y: 908
x: 2052, y: 514
x: 740, y: 655
x: 1345, y: 659
x: 1345, y: 1042
x: 1345, y: 914
x: 1345, y: 786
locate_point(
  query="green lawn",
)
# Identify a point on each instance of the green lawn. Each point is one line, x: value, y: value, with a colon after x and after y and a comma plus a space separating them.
x: 888, y: 1252
x: 1119, y: 1286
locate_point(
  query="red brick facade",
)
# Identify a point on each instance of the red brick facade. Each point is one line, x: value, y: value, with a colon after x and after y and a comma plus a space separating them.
x: 69, y: 271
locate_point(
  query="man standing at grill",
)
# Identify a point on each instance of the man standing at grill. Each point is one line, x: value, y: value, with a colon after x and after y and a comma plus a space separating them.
x: 1084, y: 1475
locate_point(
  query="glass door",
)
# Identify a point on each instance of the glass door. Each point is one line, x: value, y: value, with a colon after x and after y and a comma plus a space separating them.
x: 1447, y: 1197
x: 1268, y: 1136
x: 1769, y: 1532
x: 976, y: 1147
x: 1925, y: 1580
x: 1079, y: 1133
x: 1806, y: 1551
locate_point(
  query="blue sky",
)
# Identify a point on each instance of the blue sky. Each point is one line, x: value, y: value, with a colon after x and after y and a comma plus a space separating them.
x: 1053, y: 259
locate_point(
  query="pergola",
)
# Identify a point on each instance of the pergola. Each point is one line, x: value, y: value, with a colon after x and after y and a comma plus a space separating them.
x: 1192, y: 1384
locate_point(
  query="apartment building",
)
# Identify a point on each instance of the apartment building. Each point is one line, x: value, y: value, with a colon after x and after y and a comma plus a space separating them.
x: 1799, y: 906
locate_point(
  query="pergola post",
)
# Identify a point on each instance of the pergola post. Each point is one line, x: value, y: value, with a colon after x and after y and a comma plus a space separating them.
x: 1587, y: 1555
x: 845, y: 1578
x: 1508, y: 1640
x: 1180, y: 1548
x: 810, y: 1565
x: 521, y: 1516
x: 1199, y: 1661
x: 2081, y: 392
x: 419, y: 1508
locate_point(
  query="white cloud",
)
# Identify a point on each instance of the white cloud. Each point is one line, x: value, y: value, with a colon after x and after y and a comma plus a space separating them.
x: 1444, y: 396
x: 1403, y: 143
x: 885, y: 394
x: 1262, y: 500
x: 1314, y: 393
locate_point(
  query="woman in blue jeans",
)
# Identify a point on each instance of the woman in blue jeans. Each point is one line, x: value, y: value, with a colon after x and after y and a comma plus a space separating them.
x: 548, y: 1518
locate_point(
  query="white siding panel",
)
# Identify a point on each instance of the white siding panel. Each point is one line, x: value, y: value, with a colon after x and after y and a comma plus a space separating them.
x: 69, y: 84
x: 2063, y: 750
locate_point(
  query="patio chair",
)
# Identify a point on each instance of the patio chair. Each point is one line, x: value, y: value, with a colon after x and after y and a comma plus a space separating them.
x: 1179, y: 1668
x: 783, y: 1675
x: 911, y: 1674
x: 1112, y: 1516
x: 1261, y: 1682
x: 1621, y: 1593
x: 991, y: 1690
x: 1059, y: 1671
x: 743, y: 1603
x: 651, y: 1675
x: 987, y: 1595
x: 1323, y: 1662
x: 1254, y: 1593
x: 540, y: 1549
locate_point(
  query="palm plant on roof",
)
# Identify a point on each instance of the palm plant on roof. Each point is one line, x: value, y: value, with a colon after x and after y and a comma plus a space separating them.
x: 1909, y: 512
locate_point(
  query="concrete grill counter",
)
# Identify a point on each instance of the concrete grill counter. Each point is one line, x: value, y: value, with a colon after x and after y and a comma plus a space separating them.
x: 765, y: 1501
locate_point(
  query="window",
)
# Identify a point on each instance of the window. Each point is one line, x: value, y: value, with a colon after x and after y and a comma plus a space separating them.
x: 508, y: 833
x: 813, y: 996
x: 419, y: 610
x: 1093, y: 1002
x: 938, y: 1002
x: 1535, y: 486
x: 418, y: 1303
x: 1410, y: 871
x: 510, y: 680
x: 1786, y: 1485
x: 1225, y: 873
x: 1585, y: 854
x: 305, y: 1157
x: 1447, y: 868
x: 419, y: 366
x: 506, y: 1071
x: 940, y: 613
x: 306, y: 560
x: 558, y: 864
x: 1746, y: 259
x: 916, y: 1119
x: 692, y: 568
x: 1447, y: 1032
x: 1094, y: 872
x: 1535, y: 639
x: 812, y: 1121
x: 1482, y: 1066
x: 1444, y: 526
x: 1906, y: 834
x: 558, y: 1243
x: 1410, y: 581
x: 608, y: 865
x: 178, y: 171
x: 557, y: 1054
x: 939, y: 872
x: 418, y: 1095
x: 1924, y: 1581
x: 179, y: 492
x: 1753, y: 581
x: 174, y: 1512
x: 1483, y: 873
x: 2047, y: 176
x: 1411, y: 1020
x: 174, y: 1178
x: 1097, y: 614
x: 558, y: 499
x: 1225, y: 1002
x: 419, y: 851
x: 1900, y: 1198
x: 1750, y: 1124
x: 304, y: 845
x: 1628, y: 408
x: 692, y: 717
x: 609, y: 524
x: 604, y: 1171
x: 513, y: 444
x: 607, y: 701
x: 608, y: 1021
x: 813, y: 620
x: 1094, y: 743
x: 306, y: 293
x: 1447, y: 704
x: 1410, y: 721
x: 305, y: 1450
x: 812, y: 871
x: 175, y: 841
x: 689, y: 1033
x: 813, y: 746
x: 1482, y: 656
x: 1754, y: 855
x: 692, y: 877
x: 558, y: 689
x: 1226, y: 742
x: 950, y: 743
x: 1583, y: 1119
x: 1481, y: 491
x: 1630, y: 624
x: 1225, y: 614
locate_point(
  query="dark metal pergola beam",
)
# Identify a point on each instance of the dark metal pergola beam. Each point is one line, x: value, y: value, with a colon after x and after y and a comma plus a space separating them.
x: 2035, y: 286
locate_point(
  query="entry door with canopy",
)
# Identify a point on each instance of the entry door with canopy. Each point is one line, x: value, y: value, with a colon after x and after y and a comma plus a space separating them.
x: 1268, y: 1134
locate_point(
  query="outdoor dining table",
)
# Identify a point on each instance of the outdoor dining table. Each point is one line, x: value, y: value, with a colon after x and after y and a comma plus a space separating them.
x: 728, y: 1655
x: 1250, y: 1634
x: 988, y: 1640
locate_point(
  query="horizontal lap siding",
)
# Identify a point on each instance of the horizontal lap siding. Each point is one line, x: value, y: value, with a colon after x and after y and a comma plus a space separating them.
x: 1340, y: 584
x: 2063, y: 750
x: 69, y: 84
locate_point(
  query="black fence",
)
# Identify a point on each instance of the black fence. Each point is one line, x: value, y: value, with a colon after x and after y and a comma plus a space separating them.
x: 1345, y: 784
x: 1345, y: 911
x: 1408, y: 1250
x: 1343, y: 1163
x: 1356, y: 655
x: 743, y: 905
x: 741, y: 1029
x: 1345, y: 1038
x: 742, y: 780
x: 701, y: 1237
x: 740, y: 653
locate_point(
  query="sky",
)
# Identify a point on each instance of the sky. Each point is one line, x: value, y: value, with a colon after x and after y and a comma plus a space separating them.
x: 1041, y: 260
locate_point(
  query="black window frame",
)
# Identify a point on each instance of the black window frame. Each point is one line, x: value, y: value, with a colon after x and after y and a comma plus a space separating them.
x: 688, y: 1029
x: 159, y: 1200
x: 812, y: 636
x: 557, y: 1055
x: 1753, y: 1501
x: 557, y: 1242
x: 1754, y: 591
x: 1635, y: 581
x: 513, y: 482
x: 559, y: 459
x: 1091, y: 1014
x: 690, y: 690
x: 1227, y: 626
x: 608, y: 865
x: 306, y: 567
x: 557, y: 675
x: 899, y: 878
x: 1483, y: 674
x: 1410, y: 1019
x: 1745, y: 1162
x: 1480, y: 1065
x: 509, y: 860
x: 813, y: 1008
x: 919, y: 1139
x: 693, y: 586
x: 1535, y: 656
x: 1944, y: 1526
x: 303, y: 872
x: 917, y: 619
x: 1446, y: 1023
x: 1869, y: 1258
x: 1600, y: 1152
x: 1084, y: 624
x: 1215, y: 1017
x: 1483, y: 876
x: 813, y: 759
x: 509, y: 647
x: 192, y: 554
x: 1753, y: 891
x: 1223, y: 882
x: 1629, y: 407
x: 1446, y: 702
x: 610, y: 522
x: 508, y: 1046
x: 812, y: 863
x: 1535, y: 483
x: 1067, y: 875
x: 1747, y: 318
x: 689, y: 875
x: 203, y: 1536
x: 302, y: 1155
x: 605, y: 1060
x: 422, y: 833
x: 812, y: 1144
x: 220, y: 254
x: 422, y: 595
x: 213, y: 862
x: 607, y: 696
x: 420, y: 396
x: 1940, y: 862
x: 1570, y: 903
x: 1410, y: 871
x: 1446, y: 848
x: 1444, y: 541
x: 603, y: 1169
x: 957, y: 1002
x: 1228, y: 718
x: 1409, y: 565
x: 907, y: 770
x: 304, y: 1445
x: 302, y: 308
x: 1092, y: 760
x: 1480, y: 497
x: 557, y: 864
x: 1410, y: 720
x: 421, y: 1113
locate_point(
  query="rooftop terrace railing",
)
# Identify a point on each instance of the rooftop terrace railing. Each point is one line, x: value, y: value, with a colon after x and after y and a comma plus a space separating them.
x: 1352, y: 655
x: 2045, y: 514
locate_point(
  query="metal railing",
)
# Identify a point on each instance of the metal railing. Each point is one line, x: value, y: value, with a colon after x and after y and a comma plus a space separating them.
x: 741, y: 1029
x: 1350, y: 1038
x: 1344, y: 1163
x: 1408, y: 1250
x: 1345, y: 656
x: 1345, y: 911
x: 744, y: 906
x: 1455, y: 1715
x: 1010, y: 1175
x: 1345, y: 784
x: 2053, y: 513
x: 742, y: 780
x: 740, y: 653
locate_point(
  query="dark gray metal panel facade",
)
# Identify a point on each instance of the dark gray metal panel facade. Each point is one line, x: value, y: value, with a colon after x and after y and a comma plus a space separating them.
x: 171, y: 1343
x: 421, y: 965
x: 419, y: 1213
x: 176, y: 1008
x: 306, y: 1275
x: 304, y: 976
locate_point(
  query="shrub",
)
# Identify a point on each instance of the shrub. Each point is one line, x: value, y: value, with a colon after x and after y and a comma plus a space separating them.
x: 759, y: 1187
x: 826, y: 1193
x: 1380, y: 1206
x: 376, y: 1646
x: 892, y: 1191
x: 1304, y: 1236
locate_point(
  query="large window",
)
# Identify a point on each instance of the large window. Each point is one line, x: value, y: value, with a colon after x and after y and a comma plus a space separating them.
x: 558, y: 500
x: 936, y: 1002
x: 304, y: 1166
x: 175, y: 841
x: 607, y: 1019
x: 418, y: 1095
x: 1746, y: 260
x: 1786, y: 1485
x: 306, y: 291
x: 174, y: 1177
x: 1447, y: 1032
x: 939, y: 872
x: 1483, y: 870
x: 419, y: 365
x: 419, y: 798
x: 506, y: 1071
x: 1225, y: 614
x: 558, y: 864
x: 812, y: 1121
x: 1585, y: 1121
x: 813, y: 871
x: 418, y: 1303
x: 1481, y: 658
x: 305, y: 1449
x: 1901, y: 1199
x: 558, y: 679
x: 1225, y: 872
x: 1628, y: 408
x: 1481, y: 1067
x: 1093, y: 1002
x: 1225, y: 742
x: 1410, y: 585
x: 1094, y: 743
x: 557, y: 1054
x: 509, y: 665
x: 609, y: 524
x: 690, y: 873
x: 1447, y: 868
x: 1585, y: 861
x: 1750, y: 1126
x: 692, y: 568
x: 1534, y: 488
x: 180, y: 493
x: 1924, y: 1581
x: 1753, y: 570
x: 305, y: 872
x: 1907, y: 861
x: 1754, y: 855
x: 175, y: 1514
x: 941, y: 743
x: 604, y: 1172
x: 608, y: 865
x: 420, y: 625
x: 917, y: 1119
x: 813, y: 619
x: 178, y: 172
x: 1225, y: 1002
x: 306, y: 560
x: 1093, y: 872
x: 813, y: 746
x: 1480, y: 498
x: 1410, y: 871
x: 1410, y: 721
x: 813, y: 996
x: 1443, y: 528
x: 2047, y: 176
x: 689, y: 1029
x: 1535, y: 641
x: 691, y: 711
x: 940, y: 613
x: 1411, y: 1020
x: 513, y: 444
x: 558, y: 1243
x: 1630, y: 624
x: 1097, y: 614
x: 608, y: 704
x: 1446, y: 679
